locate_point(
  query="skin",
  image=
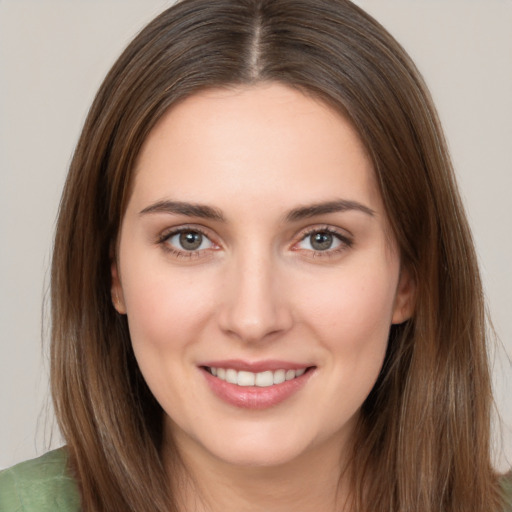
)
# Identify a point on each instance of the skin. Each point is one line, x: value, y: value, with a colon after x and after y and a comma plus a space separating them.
x: 259, y: 289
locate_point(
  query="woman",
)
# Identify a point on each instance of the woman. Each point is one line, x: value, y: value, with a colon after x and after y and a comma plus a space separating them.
x: 264, y: 290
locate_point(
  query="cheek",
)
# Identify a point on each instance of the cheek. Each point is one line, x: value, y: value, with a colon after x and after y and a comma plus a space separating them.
x: 352, y: 323
x: 167, y: 312
x: 354, y: 305
x: 352, y: 319
x: 165, y: 309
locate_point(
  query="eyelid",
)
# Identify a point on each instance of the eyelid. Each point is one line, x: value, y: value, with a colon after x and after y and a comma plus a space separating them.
x: 168, y: 233
x: 342, y: 235
x: 345, y: 238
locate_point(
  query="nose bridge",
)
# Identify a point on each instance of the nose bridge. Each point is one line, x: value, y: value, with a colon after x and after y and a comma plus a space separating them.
x: 255, y: 306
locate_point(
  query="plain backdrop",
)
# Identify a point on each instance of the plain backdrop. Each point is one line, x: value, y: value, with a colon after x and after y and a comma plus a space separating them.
x: 53, y: 56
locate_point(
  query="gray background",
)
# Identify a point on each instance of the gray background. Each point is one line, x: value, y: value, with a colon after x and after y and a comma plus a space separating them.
x: 53, y: 56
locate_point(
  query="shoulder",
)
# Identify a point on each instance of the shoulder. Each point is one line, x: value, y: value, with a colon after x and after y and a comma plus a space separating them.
x: 39, y: 485
x: 506, y: 486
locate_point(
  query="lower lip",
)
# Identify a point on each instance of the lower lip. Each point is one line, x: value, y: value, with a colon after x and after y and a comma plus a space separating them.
x: 254, y: 397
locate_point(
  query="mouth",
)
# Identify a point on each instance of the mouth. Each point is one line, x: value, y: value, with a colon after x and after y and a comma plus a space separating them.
x: 262, y: 379
x: 257, y: 385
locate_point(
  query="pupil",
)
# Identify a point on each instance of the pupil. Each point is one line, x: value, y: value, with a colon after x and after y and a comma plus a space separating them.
x: 190, y: 240
x: 321, y: 241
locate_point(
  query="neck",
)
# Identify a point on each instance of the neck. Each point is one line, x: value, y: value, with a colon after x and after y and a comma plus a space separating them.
x: 311, y: 482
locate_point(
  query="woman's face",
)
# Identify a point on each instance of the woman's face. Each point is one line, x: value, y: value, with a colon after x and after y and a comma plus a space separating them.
x: 259, y: 275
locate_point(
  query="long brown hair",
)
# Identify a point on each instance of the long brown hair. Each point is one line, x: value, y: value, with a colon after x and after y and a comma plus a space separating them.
x: 423, y: 441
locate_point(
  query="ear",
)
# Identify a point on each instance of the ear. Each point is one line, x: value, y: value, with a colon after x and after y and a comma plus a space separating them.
x: 405, y: 297
x: 116, y: 290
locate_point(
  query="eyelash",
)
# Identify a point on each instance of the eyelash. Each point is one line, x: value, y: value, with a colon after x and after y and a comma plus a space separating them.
x: 182, y: 254
x: 345, y: 242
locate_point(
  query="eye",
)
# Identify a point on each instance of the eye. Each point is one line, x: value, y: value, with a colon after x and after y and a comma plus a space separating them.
x: 324, y: 241
x: 187, y: 240
x: 321, y: 241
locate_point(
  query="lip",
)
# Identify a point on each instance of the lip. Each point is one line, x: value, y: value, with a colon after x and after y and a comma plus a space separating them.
x: 253, y: 397
x: 255, y: 366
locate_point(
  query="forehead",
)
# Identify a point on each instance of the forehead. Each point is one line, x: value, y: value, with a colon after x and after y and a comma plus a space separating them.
x: 251, y: 142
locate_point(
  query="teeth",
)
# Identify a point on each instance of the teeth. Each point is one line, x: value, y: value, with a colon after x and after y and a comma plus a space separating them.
x: 231, y: 376
x: 279, y: 376
x: 261, y: 379
x: 246, y: 378
x: 264, y: 379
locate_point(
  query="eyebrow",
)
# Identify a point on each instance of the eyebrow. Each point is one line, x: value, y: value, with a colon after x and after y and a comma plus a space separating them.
x: 294, y: 215
x: 312, y: 210
x: 184, y: 208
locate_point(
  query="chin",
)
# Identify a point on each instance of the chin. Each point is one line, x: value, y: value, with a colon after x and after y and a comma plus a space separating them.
x: 260, y: 456
x: 259, y: 445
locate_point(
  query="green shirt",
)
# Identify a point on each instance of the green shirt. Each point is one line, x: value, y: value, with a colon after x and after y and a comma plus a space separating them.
x: 39, y: 485
x: 506, y: 485
x: 43, y: 485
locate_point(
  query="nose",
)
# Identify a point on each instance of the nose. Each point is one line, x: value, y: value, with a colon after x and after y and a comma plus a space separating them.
x: 255, y: 306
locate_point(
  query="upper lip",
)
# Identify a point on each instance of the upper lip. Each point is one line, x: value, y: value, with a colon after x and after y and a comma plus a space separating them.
x: 255, y: 366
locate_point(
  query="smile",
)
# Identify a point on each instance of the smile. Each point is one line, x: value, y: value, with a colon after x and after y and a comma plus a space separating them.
x: 256, y: 385
x: 261, y: 379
